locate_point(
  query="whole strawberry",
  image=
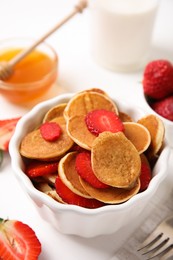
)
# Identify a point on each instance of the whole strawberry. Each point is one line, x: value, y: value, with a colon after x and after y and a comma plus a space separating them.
x: 158, y: 79
x: 164, y: 107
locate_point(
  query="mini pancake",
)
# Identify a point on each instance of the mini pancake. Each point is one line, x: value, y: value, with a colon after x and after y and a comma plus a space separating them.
x: 34, y: 146
x: 115, y: 160
x: 69, y: 176
x: 138, y: 135
x: 157, y: 131
x: 79, y: 133
x: 97, y: 90
x: 87, y: 101
x: 54, y: 112
x: 47, y: 189
x: 111, y: 195
x: 125, y: 117
x: 50, y: 178
x: 54, y: 195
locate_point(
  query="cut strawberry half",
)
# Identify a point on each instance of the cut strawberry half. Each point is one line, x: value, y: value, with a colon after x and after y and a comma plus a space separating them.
x: 71, y: 198
x: 7, y: 128
x: 37, y: 168
x: 50, y: 131
x: 84, y: 169
x: 145, y: 176
x: 18, y: 241
x: 98, y: 121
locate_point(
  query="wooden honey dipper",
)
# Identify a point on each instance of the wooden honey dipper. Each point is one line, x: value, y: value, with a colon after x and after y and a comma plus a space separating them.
x: 6, y: 68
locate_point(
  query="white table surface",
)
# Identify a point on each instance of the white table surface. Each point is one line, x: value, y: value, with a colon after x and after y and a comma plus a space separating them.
x: 77, y: 71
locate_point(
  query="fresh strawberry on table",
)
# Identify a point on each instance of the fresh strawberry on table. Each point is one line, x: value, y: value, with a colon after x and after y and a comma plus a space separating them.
x: 7, y: 128
x: 164, y: 107
x: 18, y: 241
x: 158, y: 79
x: 84, y: 169
x: 98, y: 121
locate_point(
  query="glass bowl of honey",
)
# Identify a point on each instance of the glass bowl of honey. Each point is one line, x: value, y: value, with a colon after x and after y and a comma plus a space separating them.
x: 33, y: 76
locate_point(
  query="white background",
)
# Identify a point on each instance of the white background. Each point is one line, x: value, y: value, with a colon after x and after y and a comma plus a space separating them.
x: 77, y: 71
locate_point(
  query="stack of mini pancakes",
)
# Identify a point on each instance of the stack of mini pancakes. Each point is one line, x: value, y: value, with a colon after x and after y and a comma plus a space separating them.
x: 116, y: 157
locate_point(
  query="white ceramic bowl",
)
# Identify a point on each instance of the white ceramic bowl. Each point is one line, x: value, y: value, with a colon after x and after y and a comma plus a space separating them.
x: 71, y: 219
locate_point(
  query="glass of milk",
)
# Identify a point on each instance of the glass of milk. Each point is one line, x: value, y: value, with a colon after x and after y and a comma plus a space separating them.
x: 121, y: 32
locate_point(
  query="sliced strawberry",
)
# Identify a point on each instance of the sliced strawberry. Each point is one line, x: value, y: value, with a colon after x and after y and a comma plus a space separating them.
x: 102, y: 120
x: 18, y: 241
x: 84, y: 169
x: 50, y: 131
x: 7, y: 128
x: 71, y: 198
x: 37, y: 168
x: 145, y: 176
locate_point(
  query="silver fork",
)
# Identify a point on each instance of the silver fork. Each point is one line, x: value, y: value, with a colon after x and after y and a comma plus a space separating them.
x: 159, y: 244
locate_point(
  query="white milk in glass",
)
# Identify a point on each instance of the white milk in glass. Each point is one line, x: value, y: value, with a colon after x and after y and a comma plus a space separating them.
x: 121, y: 32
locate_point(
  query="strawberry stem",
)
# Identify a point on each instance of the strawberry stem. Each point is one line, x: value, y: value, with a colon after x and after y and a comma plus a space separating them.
x: 1, y: 220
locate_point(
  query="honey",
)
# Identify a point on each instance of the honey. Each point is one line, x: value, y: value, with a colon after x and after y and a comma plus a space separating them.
x: 31, y: 77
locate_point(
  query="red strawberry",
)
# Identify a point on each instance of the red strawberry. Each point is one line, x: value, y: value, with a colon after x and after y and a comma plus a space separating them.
x: 37, y: 168
x: 18, y: 241
x: 71, y: 198
x: 164, y: 107
x: 7, y: 128
x: 146, y: 175
x: 102, y: 120
x: 50, y: 131
x: 84, y: 169
x: 158, y: 79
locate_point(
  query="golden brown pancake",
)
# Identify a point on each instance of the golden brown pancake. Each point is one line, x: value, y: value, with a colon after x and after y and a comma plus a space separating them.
x: 157, y: 131
x: 138, y: 135
x: 69, y: 175
x: 115, y: 160
x: 56, y: 111
x: 47, y: 189
x: 125, y: 117
x: 79, y: 133
x: 50, y: 178
x: 97, y: 90
x: 85, y: 102
x: 34, y: 146
x: 111, y: 195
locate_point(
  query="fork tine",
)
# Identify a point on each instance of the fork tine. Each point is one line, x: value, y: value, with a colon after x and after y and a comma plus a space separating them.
x: 162, y: 254
x: 157, y: 247
x: 151, y: 242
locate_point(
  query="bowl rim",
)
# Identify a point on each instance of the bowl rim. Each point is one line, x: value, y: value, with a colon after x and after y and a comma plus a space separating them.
x: 42, y: 198
x: 30, y: 85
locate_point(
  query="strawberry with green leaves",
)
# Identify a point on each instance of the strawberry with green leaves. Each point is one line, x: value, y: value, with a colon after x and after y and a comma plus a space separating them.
x: 18, y: 241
